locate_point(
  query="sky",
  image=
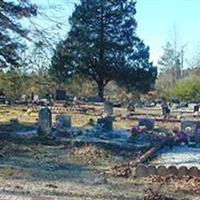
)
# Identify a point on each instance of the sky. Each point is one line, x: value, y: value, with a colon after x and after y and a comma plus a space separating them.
x: 158, y: 21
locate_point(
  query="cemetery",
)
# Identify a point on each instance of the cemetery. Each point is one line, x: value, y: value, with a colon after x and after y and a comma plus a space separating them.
x: 93, y: 106
x: 55, y: 144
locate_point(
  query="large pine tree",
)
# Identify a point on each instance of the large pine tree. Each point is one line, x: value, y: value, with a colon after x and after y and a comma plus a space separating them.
x: 11, y: 30
x: 102, y: 45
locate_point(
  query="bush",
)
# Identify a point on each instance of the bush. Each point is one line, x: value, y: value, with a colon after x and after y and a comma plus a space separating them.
x: 187, y: 89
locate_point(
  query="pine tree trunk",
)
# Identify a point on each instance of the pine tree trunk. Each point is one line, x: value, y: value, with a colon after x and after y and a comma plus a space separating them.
x: 100, y: 90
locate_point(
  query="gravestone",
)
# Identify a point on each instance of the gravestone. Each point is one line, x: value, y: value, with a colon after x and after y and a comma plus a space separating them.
x: 106, y: 123
x: 191, y: 106
x: 36, y: 98
x: 14, y: 121
x: 60, y: 95
x: 23, y: 97
x: 108, y: 108
x: 148, y: 123
x: 45, y: 122
x: 195, y: 108
x: 131, y: 107
x: 191, y: 124
x: 63, y: 123
x: 194, y: 126
x: 197, y: 132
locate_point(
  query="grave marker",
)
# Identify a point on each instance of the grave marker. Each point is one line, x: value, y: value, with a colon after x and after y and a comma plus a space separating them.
x: 106, y: 123
x: 193, y: 125
x: 45, y: 122
x: 63, y: 123
x: 108, y: 108
x: 60, y: 95
x: 36, y: 98
x: 149, y: 123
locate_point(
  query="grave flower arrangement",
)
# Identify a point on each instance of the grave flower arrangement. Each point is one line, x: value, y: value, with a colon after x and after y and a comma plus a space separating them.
x: 136, y: 130
x: 181, y: 136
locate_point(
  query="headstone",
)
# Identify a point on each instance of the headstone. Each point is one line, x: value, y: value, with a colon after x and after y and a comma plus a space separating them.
x: 23, y: 97
x: 191, y: 105
x: 108, y: 108
x: 149, y: 104
x: 183, y: 104
x: 148, y: 123
x: 106, y: 123
x: 175, y: 100
x: 45, y: 122
x: 60, y: 95
x: 36, y: 98
x: 192, y: 124
x: 139, y: 104
x: 63, y: 123
x: 196, y: 111
x: 14, y: 121
x: 197, y: 133
x: 131, y: 107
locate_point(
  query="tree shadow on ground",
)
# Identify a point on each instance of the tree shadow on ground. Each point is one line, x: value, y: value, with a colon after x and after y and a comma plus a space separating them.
x: 6, y: 129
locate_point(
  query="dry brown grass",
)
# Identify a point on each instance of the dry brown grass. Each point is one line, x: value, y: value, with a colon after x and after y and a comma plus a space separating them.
x: 54, y: 171
x: 73, y: 173
x: 80, y: 120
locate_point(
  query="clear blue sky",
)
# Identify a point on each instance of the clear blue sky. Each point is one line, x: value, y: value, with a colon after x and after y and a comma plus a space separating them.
x: 164, y: 20
x: 159, y: 21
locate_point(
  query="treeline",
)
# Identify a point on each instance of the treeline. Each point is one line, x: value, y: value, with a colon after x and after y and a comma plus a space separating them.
x: 186, y: 88
x: 16, y: 83
x: 174, y: 79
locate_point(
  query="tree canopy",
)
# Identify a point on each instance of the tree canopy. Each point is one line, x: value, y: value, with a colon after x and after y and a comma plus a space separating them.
x: 11, y: 31
x: 102, y: 45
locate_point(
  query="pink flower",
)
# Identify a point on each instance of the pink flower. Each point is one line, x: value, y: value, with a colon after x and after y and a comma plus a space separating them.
x: 136, y: 130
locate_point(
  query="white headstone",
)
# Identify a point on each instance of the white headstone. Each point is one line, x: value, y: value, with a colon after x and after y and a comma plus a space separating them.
x: 23, y: 97
x: 35, y: 98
